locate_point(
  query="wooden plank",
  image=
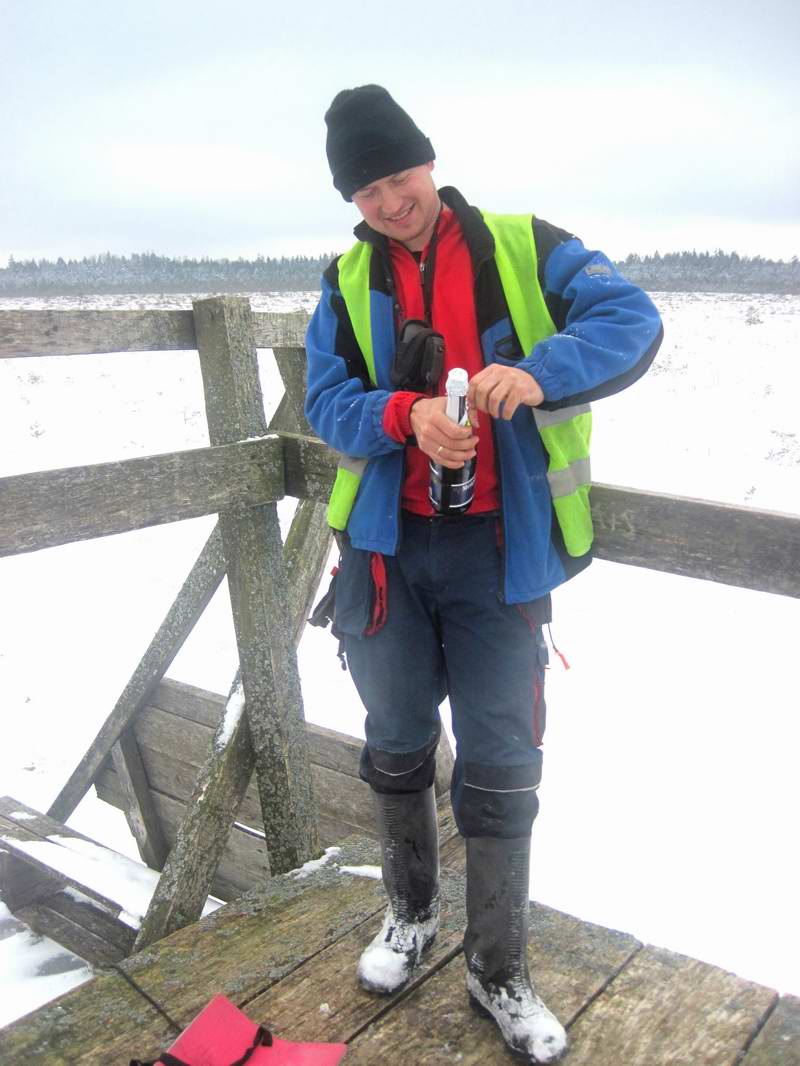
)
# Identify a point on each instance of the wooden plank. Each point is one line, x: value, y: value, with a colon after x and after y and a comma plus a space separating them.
x: 260, y: 597
x: 664, y: 1007
x: 188, y: 701
x: 243, y: 863
x: 198, y: 589
x: 103, y: 1021
x: 80, y: 909
x: 286, y: 329
x: 571, y: 962
x: 34, y: 333
x: 306, y: 553
x: 778, y: 1042
x: 50, y: 854
x: 338, y: 795
x: 327, y: 747
x: 139, y: 810
x: 697, y: 538
x: 337, y: 751
x: 292, y: 366
x: 52, y: 507
x: 76, y: 938
x: 309, y: 467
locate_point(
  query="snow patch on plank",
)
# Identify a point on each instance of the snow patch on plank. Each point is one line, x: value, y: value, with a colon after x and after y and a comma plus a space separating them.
x: 313, y: 865
x: 362, y: 871
x: 230, y: 719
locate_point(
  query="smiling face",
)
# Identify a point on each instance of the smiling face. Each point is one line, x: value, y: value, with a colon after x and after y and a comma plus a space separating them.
x: 403, y: 206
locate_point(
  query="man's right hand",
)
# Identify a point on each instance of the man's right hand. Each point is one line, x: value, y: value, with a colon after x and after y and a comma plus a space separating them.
x: 438, y: 436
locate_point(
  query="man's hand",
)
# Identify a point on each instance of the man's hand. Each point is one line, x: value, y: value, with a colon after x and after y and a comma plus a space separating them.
x: 438, y: 436
x: 499, y: 390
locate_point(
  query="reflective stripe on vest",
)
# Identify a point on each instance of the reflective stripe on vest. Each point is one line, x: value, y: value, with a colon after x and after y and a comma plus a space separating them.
x: 354, y: 287
x: 566, y: 433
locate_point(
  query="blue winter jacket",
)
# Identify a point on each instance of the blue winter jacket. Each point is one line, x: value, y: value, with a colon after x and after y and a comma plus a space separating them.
x: 608, y: 333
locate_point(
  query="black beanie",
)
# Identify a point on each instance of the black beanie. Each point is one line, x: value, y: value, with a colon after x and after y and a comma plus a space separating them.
x: 370, y: 137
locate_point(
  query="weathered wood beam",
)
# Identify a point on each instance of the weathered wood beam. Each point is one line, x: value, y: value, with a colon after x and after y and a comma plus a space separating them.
x: 192, y: 863
x: 139, y: 809
x: 33, y: 333
x: 198, y: 589
x: 698, y: 538
x: 292, y: 366
x: 306, y: 552
x: 52, y: 507
x: 271, y: 735
x: 309, y: 467
x: 286, y: 329
x: 722, y: 542
x: 259, y: 590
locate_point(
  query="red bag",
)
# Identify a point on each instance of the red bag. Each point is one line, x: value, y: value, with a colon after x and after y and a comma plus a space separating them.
x: 221, y: 1035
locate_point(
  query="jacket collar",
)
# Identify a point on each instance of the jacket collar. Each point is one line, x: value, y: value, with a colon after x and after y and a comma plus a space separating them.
x: 476, y: 233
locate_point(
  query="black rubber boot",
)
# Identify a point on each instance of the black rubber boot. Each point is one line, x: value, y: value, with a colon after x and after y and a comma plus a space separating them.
x: 495, y: 946
x: 410, y: 848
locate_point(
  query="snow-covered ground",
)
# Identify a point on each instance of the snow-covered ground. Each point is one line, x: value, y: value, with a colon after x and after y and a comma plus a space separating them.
x: 670, y: 799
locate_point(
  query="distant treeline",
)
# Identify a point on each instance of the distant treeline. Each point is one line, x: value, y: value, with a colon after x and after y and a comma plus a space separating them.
x: 150, y: 273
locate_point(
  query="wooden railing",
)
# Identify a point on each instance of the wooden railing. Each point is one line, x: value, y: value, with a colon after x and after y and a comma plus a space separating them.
x: 247, y: 468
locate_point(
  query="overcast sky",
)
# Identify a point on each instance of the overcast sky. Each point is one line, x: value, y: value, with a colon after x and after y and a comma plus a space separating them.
x: 191, y: 128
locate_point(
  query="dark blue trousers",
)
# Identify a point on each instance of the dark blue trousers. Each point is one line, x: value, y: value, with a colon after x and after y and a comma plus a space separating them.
x: 447, y: 631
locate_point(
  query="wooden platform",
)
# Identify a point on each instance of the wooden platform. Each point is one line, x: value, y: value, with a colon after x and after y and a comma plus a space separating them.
x: 287, y: 956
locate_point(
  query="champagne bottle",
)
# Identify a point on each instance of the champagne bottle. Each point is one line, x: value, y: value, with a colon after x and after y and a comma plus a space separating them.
x: 451, y: 491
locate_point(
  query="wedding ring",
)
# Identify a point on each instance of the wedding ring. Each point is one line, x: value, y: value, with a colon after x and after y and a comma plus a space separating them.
x: 440, y: 449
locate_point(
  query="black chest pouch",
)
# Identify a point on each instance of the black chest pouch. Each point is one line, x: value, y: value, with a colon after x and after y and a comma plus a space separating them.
x: 418, y: 363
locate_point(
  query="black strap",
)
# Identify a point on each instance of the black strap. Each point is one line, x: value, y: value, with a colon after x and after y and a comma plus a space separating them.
x: 263, y: 1038
x: 427, y: 274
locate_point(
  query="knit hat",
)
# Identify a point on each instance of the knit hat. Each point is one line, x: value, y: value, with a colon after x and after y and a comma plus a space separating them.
x: 369, y: 137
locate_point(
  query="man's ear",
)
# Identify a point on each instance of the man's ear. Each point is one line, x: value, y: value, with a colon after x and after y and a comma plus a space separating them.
x: 429, y: 164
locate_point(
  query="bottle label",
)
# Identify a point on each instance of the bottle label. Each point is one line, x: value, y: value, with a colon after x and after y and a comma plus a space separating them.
x: 451, y: 491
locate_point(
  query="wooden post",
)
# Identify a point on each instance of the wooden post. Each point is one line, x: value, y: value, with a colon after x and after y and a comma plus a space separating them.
x: 259, y: 594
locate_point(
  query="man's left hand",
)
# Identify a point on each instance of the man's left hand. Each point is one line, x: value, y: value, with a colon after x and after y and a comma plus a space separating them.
x: 499, y: 390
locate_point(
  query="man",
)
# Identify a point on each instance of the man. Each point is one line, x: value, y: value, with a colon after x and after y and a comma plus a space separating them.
x: 429, y: 605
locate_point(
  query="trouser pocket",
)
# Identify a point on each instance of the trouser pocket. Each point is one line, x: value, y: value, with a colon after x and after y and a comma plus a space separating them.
x: 361, y: 599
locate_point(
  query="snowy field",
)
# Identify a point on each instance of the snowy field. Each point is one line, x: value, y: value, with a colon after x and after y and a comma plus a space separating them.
x: 670, y: 796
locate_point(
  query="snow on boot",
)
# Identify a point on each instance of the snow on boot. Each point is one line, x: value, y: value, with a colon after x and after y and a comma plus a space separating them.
x: 495, y: 946
x: 410, y: 851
